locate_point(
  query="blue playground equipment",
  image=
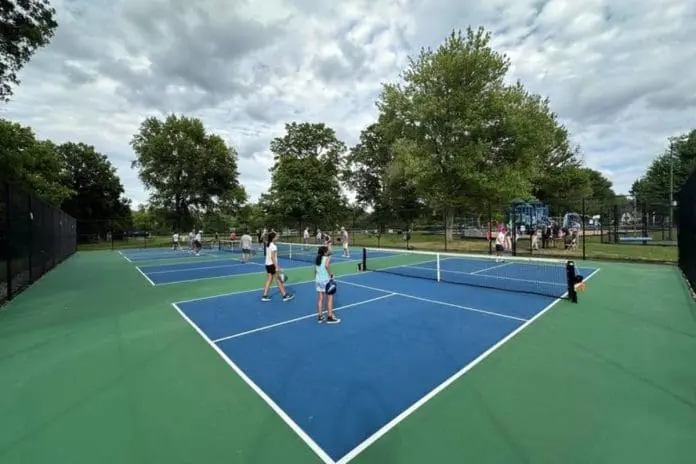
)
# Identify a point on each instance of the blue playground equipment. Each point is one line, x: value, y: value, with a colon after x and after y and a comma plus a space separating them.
x: 528, y: 215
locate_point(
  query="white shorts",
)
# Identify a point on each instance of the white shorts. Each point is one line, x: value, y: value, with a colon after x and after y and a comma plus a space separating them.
x: 345, y: 245
x: 321, y: 285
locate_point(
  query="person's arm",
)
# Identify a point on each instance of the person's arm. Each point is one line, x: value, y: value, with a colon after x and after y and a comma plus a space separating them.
x: 328, y: 267
x: 275, y: 260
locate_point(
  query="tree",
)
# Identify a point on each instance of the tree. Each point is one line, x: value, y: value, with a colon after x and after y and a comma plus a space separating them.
x: 601, y: 186
x: 370, y: 171
x: 97, y: 204
x: 305, y: 188
x: 464, y: 138
x: 25, y: 26
x: 186, y: 169
x: 653, y: 187
x: 32, y: 163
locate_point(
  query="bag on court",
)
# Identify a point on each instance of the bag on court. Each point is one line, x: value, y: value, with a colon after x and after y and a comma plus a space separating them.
x: 283, y: 277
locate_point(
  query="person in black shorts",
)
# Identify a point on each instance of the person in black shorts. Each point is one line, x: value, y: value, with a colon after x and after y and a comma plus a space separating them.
x: 273, y: 271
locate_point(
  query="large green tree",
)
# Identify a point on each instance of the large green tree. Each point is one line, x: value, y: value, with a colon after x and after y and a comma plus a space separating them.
x: 305, y: 188
x: 25, y: 26
x: 98, y: 203
x: 187, y: 170
x: 464, y: 137
x: 31, y: 163
x: 653, y: 187
x: 371, y: 174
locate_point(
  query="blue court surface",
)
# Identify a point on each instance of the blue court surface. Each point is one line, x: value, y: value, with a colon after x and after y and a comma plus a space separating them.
x: 201, y: 269
x: 340, y: 387
x: 154, y: 254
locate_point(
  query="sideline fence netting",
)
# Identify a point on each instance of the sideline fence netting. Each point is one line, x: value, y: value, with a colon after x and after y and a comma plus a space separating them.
x: 34, y: 238
x: 555, y: 278
x: 686, y: 233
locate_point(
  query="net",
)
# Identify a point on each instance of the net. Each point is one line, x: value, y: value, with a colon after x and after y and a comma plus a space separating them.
x: 298, y: 251
x: 524, y: 275
x: 234, y: 246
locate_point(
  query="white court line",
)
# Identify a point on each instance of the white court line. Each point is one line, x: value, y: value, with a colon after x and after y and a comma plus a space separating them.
x: 415, y: 406
x: 290, y: 321
x: 239, y: 263
x: 296, y: 428
x: 124, y: 256
x: 290, y: 284
x: 443, y: 303
x: 226, y: 276
x: 145, y: 275
x: 489, y: 268
x: 490, y: 276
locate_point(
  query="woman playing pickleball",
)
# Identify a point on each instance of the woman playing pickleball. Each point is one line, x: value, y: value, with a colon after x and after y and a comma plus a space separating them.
x: 273, y: 270
x: 322, y: 276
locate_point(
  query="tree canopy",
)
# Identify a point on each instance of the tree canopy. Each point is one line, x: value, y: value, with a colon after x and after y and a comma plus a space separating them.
x: 186, y: 169
x: 26, y: 26
x: 305, y: 187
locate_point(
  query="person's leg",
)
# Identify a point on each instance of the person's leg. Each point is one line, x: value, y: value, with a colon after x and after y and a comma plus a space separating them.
x: 320, y: 305
x: 267, y: 286
x: 331, y: 318
x: 281, y: 286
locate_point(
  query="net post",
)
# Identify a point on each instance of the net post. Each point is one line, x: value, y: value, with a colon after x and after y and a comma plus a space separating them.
x: 571, y: 277
x: 364, y: 259
x: 290, y: 252
x: 437, y: 260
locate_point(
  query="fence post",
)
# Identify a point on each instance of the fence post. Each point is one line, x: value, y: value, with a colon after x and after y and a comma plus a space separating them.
x: 584, y: 238
x: 30, y: 238
x: 490, y: 229
x: 9, y: 241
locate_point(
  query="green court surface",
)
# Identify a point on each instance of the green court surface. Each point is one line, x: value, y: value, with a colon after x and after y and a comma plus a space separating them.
x: 97, y: 367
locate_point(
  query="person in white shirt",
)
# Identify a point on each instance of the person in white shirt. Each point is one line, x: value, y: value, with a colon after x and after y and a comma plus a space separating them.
x: 319, y: 236
x: 306, y: 236
x: 273, y: 271
x: 245, y: 243
x: 500, y: 245
x: 175, y: 241
x: 190, y: 240
x: 344, y: 242
x: 197, y: 239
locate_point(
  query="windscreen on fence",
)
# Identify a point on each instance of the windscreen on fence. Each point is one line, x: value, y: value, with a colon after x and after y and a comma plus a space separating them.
x: 34, y: 237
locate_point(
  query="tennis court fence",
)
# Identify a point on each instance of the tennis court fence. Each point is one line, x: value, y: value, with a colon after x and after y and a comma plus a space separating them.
x: 686, y: 232
x: 34, y: 238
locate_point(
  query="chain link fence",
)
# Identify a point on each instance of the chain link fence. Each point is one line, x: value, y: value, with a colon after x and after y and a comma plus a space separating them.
x: 687, y: 230
x: 616, y: 228
x: 34, y: 238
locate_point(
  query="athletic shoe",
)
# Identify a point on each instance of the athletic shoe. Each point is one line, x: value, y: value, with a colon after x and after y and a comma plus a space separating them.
x: 265, y: 298
x: 333, y: 320
x: 321, y: 319
x: 288, y: 297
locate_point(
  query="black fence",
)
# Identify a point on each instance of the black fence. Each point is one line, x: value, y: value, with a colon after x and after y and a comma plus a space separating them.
x: 34, y: 238
x: 619, y: 228
x: 687, y: 230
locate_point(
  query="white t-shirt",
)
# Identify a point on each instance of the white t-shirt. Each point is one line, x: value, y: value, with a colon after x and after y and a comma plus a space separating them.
x: 344, y: 237
x: 197, y: 238
x: 246, y: 242
x: 272, y: 248
x: 190, y: 236
x: 306, y: 234
x: 175, y: 237
x: 500, y: 239
x: 319, y: 234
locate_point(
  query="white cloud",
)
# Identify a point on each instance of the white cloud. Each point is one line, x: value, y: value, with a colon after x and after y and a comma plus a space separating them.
x: 618, y: 73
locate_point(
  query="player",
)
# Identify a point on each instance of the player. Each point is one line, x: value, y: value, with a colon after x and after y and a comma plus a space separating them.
x: 197, y: 242
x: 500, y: 246
x: 190, y: 241
x: 344, y: 242
x: 272, y: 271
x: 175, y: 241
x: 322, y: 275
x: 245, y: 243
x: 306, y: 237
x: 319, y: 236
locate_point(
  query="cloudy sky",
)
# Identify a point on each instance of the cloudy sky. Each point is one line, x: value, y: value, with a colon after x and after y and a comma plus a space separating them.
x: 619, y: 73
